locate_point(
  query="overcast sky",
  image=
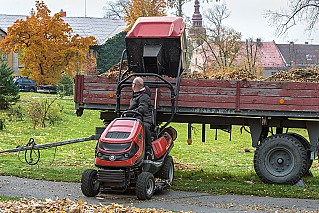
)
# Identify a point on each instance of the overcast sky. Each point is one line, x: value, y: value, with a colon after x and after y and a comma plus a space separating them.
x: 247, y: 16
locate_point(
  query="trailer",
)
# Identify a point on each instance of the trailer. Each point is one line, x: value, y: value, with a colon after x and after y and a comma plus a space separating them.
x: 280, y: 157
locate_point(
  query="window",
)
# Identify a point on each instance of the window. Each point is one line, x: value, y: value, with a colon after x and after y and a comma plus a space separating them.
x: 309, y: 57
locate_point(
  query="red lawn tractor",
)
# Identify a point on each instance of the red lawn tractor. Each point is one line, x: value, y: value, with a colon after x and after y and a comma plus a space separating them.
x: 154, y: 48
x: 120, y: 157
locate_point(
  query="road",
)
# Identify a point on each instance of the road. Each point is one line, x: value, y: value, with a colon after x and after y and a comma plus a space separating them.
x: 168, y: 200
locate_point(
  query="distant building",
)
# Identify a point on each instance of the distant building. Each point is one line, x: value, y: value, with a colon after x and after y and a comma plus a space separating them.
x: 271, y: 57
x: 299, y: 55
x: 11, y: 58
x: 101, y: 28
x: 196, y: 30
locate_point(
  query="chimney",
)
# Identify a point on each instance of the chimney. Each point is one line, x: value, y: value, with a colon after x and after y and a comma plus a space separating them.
x: 63, y: 13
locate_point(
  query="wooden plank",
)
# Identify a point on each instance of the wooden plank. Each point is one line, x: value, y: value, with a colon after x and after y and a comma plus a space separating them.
x: 276, y: 101
x: 200, y: 105
x: 90, y: 100
x: 207, y: 90
x: 78, y: 88
x: 291, y: 108
x: 100, y: 86
x: 278, y: 92
x: 207, y: 83
x: 99, y: 79
x: 206, y: 98
x: 280, y: 85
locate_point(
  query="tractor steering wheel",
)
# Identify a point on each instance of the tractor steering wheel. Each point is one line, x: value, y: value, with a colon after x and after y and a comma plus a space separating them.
x: 132, y: 113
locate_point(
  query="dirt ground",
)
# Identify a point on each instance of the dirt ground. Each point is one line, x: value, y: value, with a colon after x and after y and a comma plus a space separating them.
x: 168, y: 200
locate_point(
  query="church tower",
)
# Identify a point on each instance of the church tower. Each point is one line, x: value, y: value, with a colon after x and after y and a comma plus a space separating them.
x: 196, y: 30
x: 196, y: 36
x: 197, y: 18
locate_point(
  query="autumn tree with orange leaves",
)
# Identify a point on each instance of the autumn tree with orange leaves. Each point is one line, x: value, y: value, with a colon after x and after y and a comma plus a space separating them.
x: 143, y: 8
x: 46, y: 46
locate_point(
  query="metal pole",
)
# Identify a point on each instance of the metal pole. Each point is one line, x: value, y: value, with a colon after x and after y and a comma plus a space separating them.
x: 85, y: 7
x: 189, y: 134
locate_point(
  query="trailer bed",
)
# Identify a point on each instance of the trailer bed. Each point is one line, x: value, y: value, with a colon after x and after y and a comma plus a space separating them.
x: 210, y: 97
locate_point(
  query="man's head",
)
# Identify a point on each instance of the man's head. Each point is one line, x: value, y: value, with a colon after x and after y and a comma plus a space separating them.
x: 138, y: 84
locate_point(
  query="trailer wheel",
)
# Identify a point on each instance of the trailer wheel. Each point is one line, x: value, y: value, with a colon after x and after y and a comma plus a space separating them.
x: 90, y: 186
x: 306, y: 144
x: 167, y: 171
x: 145, y: 186
x: 280, y: 158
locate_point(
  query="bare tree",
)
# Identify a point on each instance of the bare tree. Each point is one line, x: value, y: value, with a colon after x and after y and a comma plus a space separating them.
x: 115, y: 9
x: 298, y: 11
x: 178, y: 5
x: 216, y: 15
x: 221, y: 42
x: 250, y: 56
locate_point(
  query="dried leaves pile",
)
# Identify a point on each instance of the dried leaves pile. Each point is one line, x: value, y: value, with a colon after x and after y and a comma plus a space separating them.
x: 185, y: 167
x: 114, y: 71
x: 234, y: 75
x: 295, y: 75
x: 68, y: 206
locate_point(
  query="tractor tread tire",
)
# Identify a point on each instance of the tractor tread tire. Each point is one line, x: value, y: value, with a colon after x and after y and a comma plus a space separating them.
x: 88, y: 187
x: 307, y: 146
x: 141, y: 188
x: 267, y: 165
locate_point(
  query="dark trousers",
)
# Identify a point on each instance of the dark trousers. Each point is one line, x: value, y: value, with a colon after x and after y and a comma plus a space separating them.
x: 148, y: 136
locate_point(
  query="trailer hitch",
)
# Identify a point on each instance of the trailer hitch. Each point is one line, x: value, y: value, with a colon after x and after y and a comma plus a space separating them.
x: 32, y: 150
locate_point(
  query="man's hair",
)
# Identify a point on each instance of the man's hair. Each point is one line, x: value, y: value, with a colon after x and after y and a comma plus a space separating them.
x: 139, y: 82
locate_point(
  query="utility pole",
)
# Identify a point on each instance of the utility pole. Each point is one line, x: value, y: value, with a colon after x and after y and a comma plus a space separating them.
x: 85, y: 7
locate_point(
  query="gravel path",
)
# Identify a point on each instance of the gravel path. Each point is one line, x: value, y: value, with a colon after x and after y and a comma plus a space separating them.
x: 169, y: 200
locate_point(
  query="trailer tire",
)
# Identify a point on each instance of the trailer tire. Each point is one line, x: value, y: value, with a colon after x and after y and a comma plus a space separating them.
x: 145, y: 186
x: 306, y: 144
x: 167, y: 171
x: 90, y: 186
x: 281, y: 159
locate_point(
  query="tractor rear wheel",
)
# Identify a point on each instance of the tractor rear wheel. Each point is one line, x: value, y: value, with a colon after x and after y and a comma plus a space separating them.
x: 167, y: 171
x: 145, y: 186
x: 90, y: 186
x: 280, y: 158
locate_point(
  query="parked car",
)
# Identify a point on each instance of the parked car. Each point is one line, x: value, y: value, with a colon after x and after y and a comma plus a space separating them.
x: 51, y: 89
x: 25, y: 84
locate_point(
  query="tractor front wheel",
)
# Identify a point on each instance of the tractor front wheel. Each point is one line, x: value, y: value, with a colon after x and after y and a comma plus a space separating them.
x: 145, y: 186
x: 90, y: 186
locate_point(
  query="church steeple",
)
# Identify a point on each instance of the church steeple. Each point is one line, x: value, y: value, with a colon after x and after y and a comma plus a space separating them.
x: 197, y: 30
x: 197, y: 17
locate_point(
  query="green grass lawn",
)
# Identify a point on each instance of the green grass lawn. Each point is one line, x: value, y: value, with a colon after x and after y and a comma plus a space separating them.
x: 217, y: 166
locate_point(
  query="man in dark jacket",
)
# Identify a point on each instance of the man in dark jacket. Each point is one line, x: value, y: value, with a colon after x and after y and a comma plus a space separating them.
x: 141, y: 102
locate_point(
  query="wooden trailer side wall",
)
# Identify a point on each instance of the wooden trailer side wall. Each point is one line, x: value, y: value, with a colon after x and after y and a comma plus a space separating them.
x: 215, y: 94
x: 250, y: 95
